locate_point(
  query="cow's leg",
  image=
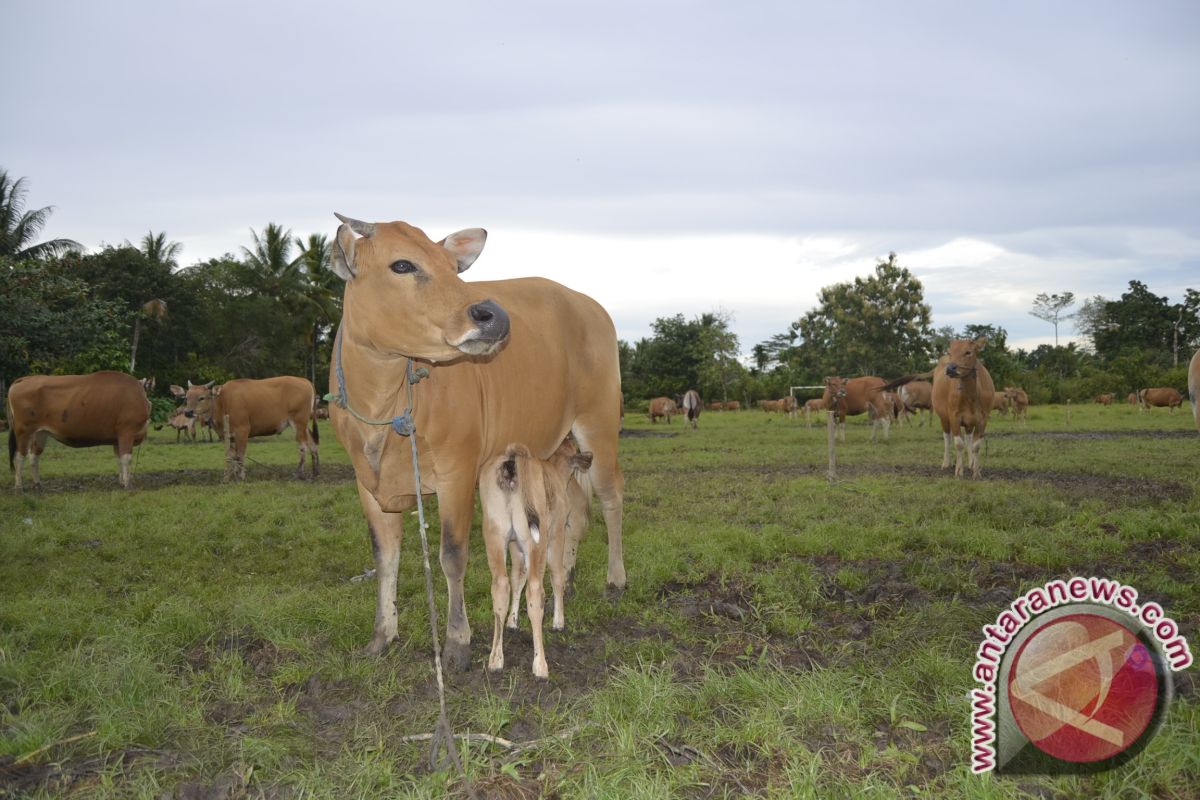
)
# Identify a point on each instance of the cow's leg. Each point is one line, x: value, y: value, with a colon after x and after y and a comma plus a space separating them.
x: 976, y: 465
x: 558, y: 574
x: 386, y: 530
x: 240, y: 439
x: 609, y: 486
x: 516, y: 583
x: 37, y: 446
x: 18, y: 465
x: 887, y: 426
x: 535, y: 606
x: 493, y: 538
x: 959, y: 444
x: 124, y: 451
x: 456, y: 506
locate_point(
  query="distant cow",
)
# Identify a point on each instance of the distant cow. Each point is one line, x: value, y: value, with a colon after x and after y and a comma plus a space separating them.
x: 732, y: 405
x: 811, y: 408
x: 691, y: 406
x: 715, y: 405
x: 256, y: 408
x: 1104, y: 399
x: 79, y: 411
x: 525, y: 506
x: 662, y: 407
x: 769, y: 405
x: 1000, y: 402
x: 915, y: 397
x: 850, y: 397
x: 1132, y: 399
x: 1018, y: 402
x: 1167, y: 398
x: 184, y: 425
x: 1194, y: 387
x: 789, y: 405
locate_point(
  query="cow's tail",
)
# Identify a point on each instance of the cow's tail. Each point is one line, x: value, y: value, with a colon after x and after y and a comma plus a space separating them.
x: 316, y: 434
x: 12, y: 447
x: 893, y: 385
x: 524, y: 519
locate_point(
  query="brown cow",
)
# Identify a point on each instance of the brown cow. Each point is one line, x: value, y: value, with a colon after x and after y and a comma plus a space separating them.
x: 1132, y: 399
x: 1162, y: 397
x: 789, y: 405
x: 662, y: 407
x: 1194, y: 387
x: 528, y: 364
x: 183, y: 425
x: 1000, y: 402
x: 915, y: 397
x: 850, y: 397
x: 812, y: 407
x: 1104, y: 399
x: 79, y: 411
x: 732, y: 405
x: 770, y: 406
x: 1018, y: 402
x: 256, y: 408
x: 715, y: 405
x: 525, y: 506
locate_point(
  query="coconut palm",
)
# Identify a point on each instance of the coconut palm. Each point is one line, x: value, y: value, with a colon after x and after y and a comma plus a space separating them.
x: 271, y: 260
x: 18, y: 227
x: 321, y: 292
x: 155, y: 247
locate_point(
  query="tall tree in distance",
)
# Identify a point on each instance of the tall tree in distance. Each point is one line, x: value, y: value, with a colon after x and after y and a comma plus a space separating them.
x: 1050, y: 308
x: 877, y: 325
x: 271, y: 262
x: 19, y: 228
x: 155, y: 247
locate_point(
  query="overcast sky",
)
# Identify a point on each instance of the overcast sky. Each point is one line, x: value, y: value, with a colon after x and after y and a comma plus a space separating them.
x: 664, y: 157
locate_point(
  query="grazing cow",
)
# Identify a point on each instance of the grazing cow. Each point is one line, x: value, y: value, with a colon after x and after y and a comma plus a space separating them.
x: 1194, y: 387
x: 850, y: 397
x: 732, y: 405
x: 916, y: 396
x: 662, y: 407
x: 1018, y: 402
x: 813, y: 407
x: 1000, y: 402
x: 523, y: 360
x: 1132, y: 399
x: 256, y: 408
x: 1104, y: 399
x: 715, y: 405
x: 79, y: 411
x: 526, y: 503
x: 691, y: 406
x: 1161, y: 397
x: 770, y: 406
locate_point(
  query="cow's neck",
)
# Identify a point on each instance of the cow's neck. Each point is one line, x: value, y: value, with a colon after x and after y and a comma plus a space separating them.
x: 375, y: 383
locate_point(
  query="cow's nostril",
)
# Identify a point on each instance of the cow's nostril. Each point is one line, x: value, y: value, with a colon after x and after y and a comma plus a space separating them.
x: 481, y: 312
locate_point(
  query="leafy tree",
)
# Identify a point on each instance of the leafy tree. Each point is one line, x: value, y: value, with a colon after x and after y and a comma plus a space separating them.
x: 1051, y: 307
x: 18, y: 227
x: 878, y: 325
x: 1140, y: 322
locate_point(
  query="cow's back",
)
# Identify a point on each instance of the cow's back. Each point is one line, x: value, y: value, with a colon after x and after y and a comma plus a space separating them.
x: 80, y: 410
x: 265, y: 405
x: 560, y: 360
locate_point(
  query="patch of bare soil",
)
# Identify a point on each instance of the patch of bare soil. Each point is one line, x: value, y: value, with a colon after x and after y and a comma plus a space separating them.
x: 255, y: 473
x: 641, y: 433
x: 75, y: 777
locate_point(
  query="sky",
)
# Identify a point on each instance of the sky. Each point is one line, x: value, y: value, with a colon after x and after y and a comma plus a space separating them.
x: 664, y: 157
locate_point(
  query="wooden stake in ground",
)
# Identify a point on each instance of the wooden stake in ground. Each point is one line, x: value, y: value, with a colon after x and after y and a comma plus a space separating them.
x: 831, y: 427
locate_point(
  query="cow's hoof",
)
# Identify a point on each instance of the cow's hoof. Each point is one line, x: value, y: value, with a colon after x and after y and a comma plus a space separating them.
x: 457, y: 656
x: 614, y: 592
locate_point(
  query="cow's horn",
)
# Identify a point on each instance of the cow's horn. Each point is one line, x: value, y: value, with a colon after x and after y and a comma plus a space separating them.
x: 358, y: 226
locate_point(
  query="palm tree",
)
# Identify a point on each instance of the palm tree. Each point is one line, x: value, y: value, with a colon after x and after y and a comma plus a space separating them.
x: 18, y: 227
x: 321, y: 292
x: 156, y: 248
x: 271, y: 260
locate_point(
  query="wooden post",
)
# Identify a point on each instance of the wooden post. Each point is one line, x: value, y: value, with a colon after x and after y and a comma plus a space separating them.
x: 831, y: 427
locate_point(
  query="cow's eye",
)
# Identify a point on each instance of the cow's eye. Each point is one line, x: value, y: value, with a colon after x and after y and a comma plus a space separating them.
x: 403, y: 267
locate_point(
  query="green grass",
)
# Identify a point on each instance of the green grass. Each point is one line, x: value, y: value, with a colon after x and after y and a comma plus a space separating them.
x: 781, y: 636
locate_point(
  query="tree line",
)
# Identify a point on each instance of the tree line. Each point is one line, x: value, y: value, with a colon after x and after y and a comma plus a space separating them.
x: 273, y: 309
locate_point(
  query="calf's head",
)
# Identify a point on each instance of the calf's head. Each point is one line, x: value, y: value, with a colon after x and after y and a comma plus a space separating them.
x: 405, y: 297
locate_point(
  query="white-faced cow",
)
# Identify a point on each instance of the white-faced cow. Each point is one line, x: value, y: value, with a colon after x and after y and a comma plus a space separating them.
x: 256, y: 408
x: 79, y: 411
x: 523, y: 360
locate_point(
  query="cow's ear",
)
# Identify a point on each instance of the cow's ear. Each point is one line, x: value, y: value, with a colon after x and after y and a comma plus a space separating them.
x: 465, y: 246
x: 216, y: 392
x: 341, y: 255
x: 981, y: 343
x: 179, y: 391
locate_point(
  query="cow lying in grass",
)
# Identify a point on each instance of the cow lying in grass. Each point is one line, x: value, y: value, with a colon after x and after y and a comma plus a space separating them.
x: 525, y: 508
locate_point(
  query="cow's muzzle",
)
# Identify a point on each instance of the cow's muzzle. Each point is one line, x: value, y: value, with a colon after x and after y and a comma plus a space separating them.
x: 189, y: 413
x: 491, y: 328
x: 952, y: 370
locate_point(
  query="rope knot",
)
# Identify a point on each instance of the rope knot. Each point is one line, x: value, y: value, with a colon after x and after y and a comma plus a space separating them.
x: 403, y: 424
x: 338, y: 399
x: 417, y: 375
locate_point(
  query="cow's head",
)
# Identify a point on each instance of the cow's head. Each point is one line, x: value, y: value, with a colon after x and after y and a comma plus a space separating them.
x: 404, y: 296
x: 835, y: 390
x: 198, y: 399
x: 964, y: 357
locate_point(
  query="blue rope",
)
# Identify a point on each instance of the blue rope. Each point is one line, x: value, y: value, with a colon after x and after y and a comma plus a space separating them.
x: 403, y: 423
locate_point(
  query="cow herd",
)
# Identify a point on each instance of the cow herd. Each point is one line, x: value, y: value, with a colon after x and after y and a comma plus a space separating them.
x: 442, y: 387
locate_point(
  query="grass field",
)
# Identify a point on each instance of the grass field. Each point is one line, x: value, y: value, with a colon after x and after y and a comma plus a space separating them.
x: 780, y: 636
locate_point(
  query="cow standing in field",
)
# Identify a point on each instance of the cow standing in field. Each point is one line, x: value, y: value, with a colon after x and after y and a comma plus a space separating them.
x: 916, y: 396
x: 692, y: 406
x: 857, y: 396
x: 525, y: 505
x: 662, y: 407
x: 1132, y: 399
x: 1105, y: 399
x: 1018, y: 402
x: 79, y: 411
x: 256, y: 408
x: 1000, y: 402
x: 789, y: 405
x: 769, y: 406
x: 1194, y: 387
x: 1160, y: 397
x: 524, y: 360
x: 732, y: 405
x: 182, y: 424
x: 812, y: 408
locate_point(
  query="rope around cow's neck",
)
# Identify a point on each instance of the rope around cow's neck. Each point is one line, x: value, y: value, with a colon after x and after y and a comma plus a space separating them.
x: 404, y: 425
